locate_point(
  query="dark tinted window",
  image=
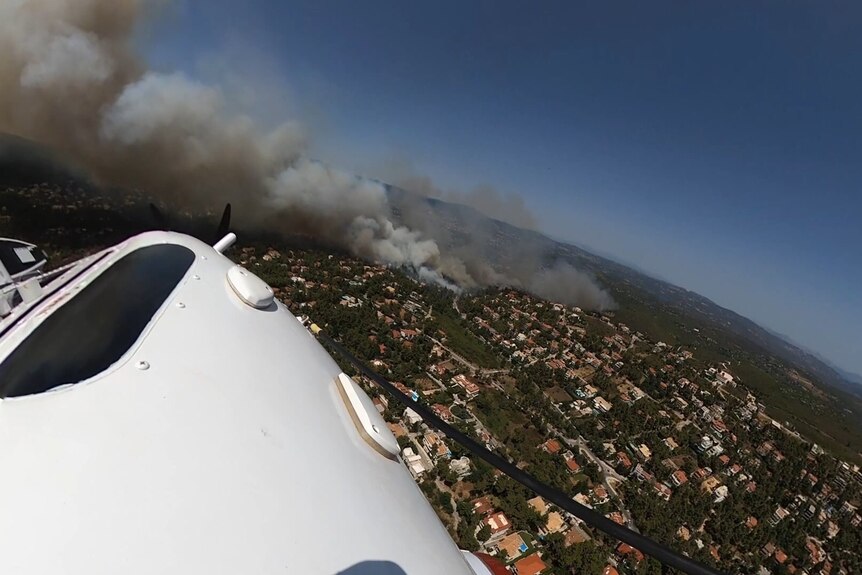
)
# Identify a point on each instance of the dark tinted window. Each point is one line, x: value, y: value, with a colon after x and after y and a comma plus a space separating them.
x: 17, y: 256
x: 97, y: 326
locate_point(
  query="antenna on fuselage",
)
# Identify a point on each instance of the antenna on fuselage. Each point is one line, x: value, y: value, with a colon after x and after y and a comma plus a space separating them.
x: 225, y: 238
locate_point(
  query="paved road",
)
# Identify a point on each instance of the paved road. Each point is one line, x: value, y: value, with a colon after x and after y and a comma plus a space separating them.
x: 606, y: 470
x: 469, y: 364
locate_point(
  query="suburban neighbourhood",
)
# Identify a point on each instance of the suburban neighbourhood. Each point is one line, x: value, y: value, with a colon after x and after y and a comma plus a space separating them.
x: 648, y: 434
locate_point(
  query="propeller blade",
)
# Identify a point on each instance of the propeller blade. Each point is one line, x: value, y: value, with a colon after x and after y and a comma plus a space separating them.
x: 224, y: 224
x: 159, y: 218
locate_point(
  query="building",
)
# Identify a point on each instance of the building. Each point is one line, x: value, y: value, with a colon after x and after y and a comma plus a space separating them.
x: 530, y: 565
x: 644, y: 452
x: 602, y: 404
x: 435, y: 446
x: 443, y: 367
x: 412, y: 417
x: 751, y: 522
x: 627, y: 550
x: 706, y: 443
x: 583, y: 500
x: 413, y: 461
x: 815, y: 551
x: 555, y: 523
x: 443, y: 412
x: 679, y: 477
x: 702, y: 472
x: 461, y: 467
x: 778, y: 515
x: 397, y: 430
x: 552, y: 446
x: 710, y: 484
x: 538, y: 504
x: 571, y: 463
x: 718, y: 426
x: 600, y: 495
x: 468, y: 384
x: 616, y: 517
x: 575, y: 535
x: 642, y: 474
x: 403, y: 388
x: 624, y: 460
x: 662, y: 490
x: 513, y: 545
x: 498, y: 524
x: 482, y: 506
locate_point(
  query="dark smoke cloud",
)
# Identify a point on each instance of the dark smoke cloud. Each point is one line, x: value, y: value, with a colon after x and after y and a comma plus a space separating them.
x: 70, y: 78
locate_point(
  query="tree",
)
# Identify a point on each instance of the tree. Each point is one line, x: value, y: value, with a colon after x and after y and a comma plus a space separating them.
x: 484, y: 533
x: 586, y: 557
x: 466, y: 537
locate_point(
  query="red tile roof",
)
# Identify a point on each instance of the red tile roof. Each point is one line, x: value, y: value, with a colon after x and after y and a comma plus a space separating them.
x: 624, y: 459
x: 751, y: 522
x: 482, y: 506
x: 626, y: 549
x: 552, y: 446
x: 492, y: 563
x: 530, y: 565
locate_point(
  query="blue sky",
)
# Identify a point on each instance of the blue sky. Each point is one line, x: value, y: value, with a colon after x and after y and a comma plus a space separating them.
x: 716, y: 145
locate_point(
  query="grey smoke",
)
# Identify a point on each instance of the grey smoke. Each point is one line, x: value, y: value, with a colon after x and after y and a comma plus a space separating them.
x: 70, y: 78
x: 509, y: 208
x: 564, y: 283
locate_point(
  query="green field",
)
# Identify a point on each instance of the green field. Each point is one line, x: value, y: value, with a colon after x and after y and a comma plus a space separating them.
x: 467, y: 345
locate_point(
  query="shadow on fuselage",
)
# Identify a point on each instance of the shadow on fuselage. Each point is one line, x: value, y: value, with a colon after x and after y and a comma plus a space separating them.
x: 373, y: 568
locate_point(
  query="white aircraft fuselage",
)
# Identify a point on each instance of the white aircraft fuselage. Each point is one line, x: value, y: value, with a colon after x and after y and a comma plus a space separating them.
x: 159, y: 417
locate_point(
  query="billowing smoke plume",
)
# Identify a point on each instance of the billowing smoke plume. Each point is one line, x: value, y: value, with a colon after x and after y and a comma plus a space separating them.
x: 474, y: 241
x: 69, y: 78
x: 565, y: 284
